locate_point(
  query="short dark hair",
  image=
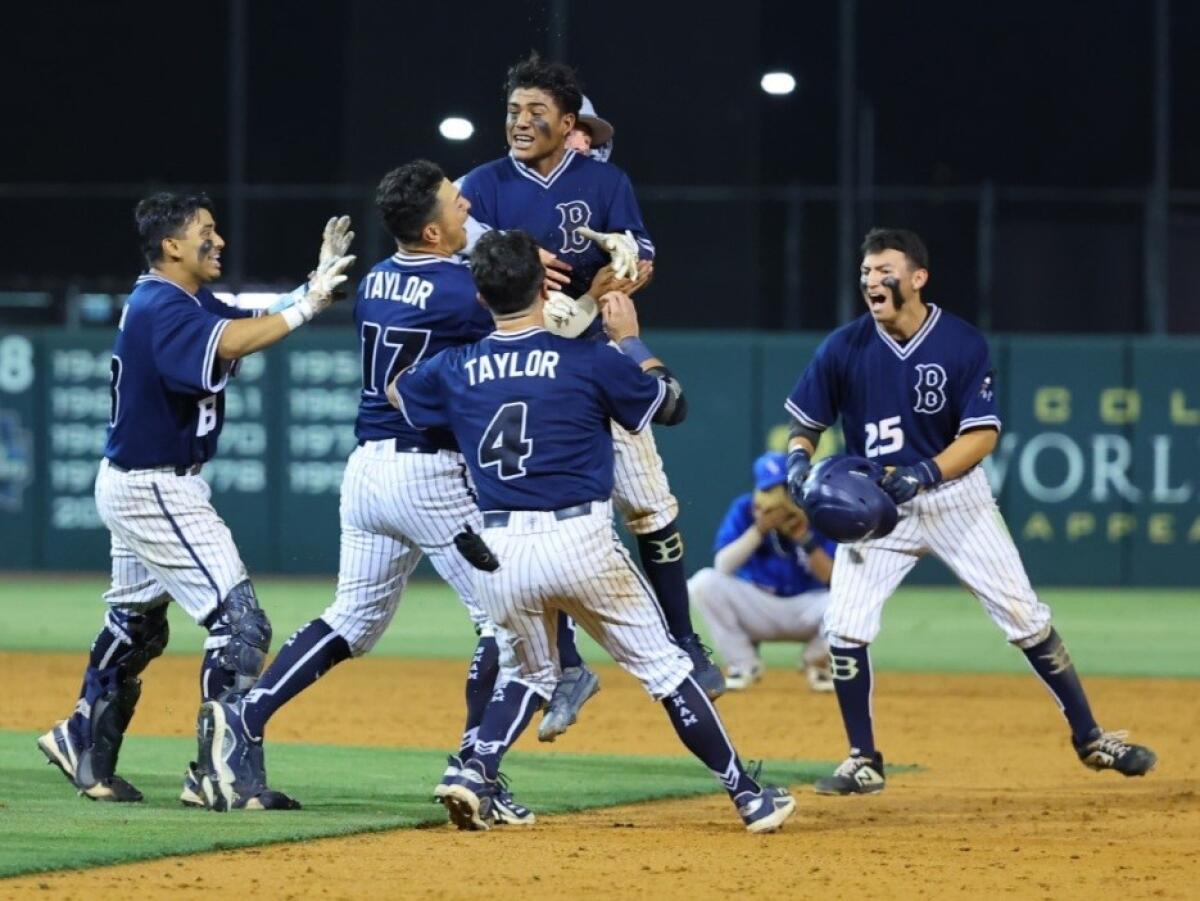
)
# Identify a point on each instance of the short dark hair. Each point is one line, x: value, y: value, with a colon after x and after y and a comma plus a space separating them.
x: 407, y: 199
x: 907, y: 242
x: 556, y: 79
x: 165, y: 215
x: 508, y: 271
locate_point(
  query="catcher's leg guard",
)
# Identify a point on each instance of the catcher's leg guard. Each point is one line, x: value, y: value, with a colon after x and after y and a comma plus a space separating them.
x: 239, y: 637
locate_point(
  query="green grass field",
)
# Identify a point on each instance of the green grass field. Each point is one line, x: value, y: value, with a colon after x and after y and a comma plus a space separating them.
x: 347, y: 790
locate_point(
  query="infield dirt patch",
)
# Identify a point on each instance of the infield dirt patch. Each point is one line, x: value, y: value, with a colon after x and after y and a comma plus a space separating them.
x: 1000, y: 807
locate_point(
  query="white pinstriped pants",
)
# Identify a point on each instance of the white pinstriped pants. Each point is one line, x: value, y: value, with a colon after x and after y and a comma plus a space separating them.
x: 641, y: 492
x: 394, y: 508
x: 577, y: 565
x: 961, y: 525
x: 167, y: 541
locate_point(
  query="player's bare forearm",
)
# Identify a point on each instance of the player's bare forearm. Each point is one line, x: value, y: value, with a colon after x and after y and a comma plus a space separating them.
x: 821, y: 564
x: 243, y: 337
x: 730, y: 558
x: 802, y: 443
x: 965, y: 451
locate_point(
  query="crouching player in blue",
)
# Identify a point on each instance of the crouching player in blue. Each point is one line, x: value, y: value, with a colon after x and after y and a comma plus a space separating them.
x: 915, y: 391
x: 531, y: 412
x: 176, y: 348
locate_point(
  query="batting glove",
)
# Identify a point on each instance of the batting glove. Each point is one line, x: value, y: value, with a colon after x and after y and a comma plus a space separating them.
x: 620, y: 247
x: 335, y: 240
x: 316, y: 296
x: 566, y: 317
x: 902, y: 483
x: 798, y: 464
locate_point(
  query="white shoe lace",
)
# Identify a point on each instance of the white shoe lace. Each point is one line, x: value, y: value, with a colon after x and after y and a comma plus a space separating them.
x: 849, y: 765
x: 1111, y: 743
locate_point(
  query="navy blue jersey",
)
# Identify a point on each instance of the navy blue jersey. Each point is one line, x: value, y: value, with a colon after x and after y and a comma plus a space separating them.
x: 899, y: 403
x: 168, y: 384
x: 410, y: 307
x: 779, y: 565
x: 579, y: 192
x: 531, y: 413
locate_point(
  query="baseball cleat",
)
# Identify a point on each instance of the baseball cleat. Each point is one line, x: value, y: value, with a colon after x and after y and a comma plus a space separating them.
x: 575, y: 686
x: 60, y: 750
x: 739, y: 678
x: 192, y: 794
x: 506, y: 810
x: 706, y: 673
x: 766, y: 809
x: 820, y: 678
x: 453, y: 766
x: 468, y: 798
x: 856, y: 776
x: 1110, y: 751
x: 233, y: 775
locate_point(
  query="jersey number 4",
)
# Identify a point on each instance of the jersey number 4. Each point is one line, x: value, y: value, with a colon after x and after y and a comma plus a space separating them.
x: 504, y: 444
x: 407, y: 346
x: 884, y: 437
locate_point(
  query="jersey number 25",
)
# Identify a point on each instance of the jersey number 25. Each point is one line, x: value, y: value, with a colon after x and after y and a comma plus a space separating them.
x: 884, y: 437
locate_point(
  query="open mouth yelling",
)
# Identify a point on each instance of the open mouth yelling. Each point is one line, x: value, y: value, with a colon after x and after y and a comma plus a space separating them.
x: 877, y: 300
x: 522, y: 142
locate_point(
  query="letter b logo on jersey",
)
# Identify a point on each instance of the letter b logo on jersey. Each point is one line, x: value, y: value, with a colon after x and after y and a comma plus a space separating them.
x: 930, y: 388
x: 575, y: 213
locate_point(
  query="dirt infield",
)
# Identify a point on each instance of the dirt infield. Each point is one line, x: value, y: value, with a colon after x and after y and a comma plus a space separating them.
x: 1000, y: 808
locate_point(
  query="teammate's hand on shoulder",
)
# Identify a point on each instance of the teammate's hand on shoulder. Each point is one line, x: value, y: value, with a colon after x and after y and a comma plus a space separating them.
x: 558, y: 272
x: 620, y: 246
x: 620, y: 316
x: 336, y: 239
x: 902, y: 483
x: 799, y: 462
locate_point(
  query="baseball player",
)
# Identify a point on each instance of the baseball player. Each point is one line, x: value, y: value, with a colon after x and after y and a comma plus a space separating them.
x: 768, y: 582
x: 583, y: 212
x: 532, y: 412
x: 405, y: 492
x: 915, y: 390
x: 176, y: 348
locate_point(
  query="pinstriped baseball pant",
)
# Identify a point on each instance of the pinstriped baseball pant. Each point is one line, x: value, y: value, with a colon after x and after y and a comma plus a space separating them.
x: 577, y: 565
x: 641, y: 492
x: 960, y: 524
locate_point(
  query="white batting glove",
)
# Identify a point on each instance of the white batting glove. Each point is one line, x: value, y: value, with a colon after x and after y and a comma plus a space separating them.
x: 316, y: 296
x: 566, y: 317
x: 621, y: 248
x: 335, y: 240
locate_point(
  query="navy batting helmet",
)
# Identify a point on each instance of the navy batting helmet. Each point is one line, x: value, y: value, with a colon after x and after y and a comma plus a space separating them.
x: 844, y: 501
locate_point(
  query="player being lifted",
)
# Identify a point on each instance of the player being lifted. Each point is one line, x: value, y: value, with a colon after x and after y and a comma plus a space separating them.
x: 533, y: 412
x: 583, y: 211
x: 176, y: 348
x: 404, y: 493
x: 914, y: 387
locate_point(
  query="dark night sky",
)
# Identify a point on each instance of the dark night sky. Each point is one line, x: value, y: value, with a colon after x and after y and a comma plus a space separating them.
x: 1026, y: 93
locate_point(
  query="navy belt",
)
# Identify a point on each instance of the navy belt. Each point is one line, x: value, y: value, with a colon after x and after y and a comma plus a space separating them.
x: 498, y: 519
x: 193, y: 470
x: 403, y: 448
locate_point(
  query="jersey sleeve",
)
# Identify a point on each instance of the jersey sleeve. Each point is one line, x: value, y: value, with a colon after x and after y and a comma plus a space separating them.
x: 814, y: 400
x: 976, y: 389
x: 184, y: 340
x: 624, y: 215
x: 629, y: 396
x: 737, y: 520
x: 420, y: 391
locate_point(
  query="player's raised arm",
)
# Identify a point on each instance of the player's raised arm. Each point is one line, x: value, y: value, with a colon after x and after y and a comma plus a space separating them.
x: 620, y: 321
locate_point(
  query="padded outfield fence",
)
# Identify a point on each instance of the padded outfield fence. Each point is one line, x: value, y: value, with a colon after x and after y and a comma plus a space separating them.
x: 1097, y: 472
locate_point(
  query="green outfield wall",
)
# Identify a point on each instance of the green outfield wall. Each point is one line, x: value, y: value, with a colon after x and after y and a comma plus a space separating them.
x: 1097, y: 471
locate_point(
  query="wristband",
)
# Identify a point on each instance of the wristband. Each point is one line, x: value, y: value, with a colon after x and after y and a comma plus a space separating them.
x: 294, y: 316
x: 634, y: 348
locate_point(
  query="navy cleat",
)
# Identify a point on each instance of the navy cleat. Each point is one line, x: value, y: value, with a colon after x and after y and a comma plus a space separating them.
x: 192, y: 794
x: 506, y: 810
x: 1110, y: 751
x: 706, y: 673
x: 61, y: 751
x: 468, y: 798
x: 575, y: 686
x: 856, y: 776
x: 766, y: 809
x: 453, y: 766
x: 233, y: 775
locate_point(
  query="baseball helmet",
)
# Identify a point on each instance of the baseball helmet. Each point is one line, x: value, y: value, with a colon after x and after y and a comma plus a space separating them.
x: 844, y: 501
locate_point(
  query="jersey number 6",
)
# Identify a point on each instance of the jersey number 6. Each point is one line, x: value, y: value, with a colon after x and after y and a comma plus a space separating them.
x: 884, y: 437
x: 504, y: 444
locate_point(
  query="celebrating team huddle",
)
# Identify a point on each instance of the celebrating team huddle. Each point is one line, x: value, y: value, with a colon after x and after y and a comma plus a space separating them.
x: 506, y: 412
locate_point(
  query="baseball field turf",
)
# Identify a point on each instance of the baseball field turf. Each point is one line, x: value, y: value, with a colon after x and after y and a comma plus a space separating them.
x: 373, y: 772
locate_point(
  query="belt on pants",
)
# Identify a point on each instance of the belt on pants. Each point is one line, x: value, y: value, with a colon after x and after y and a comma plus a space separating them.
x: 401, y: 448
x: 193, y: 470
x: 498, y: 519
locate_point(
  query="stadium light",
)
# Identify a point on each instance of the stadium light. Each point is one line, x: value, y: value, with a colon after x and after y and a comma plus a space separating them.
x: 778, y: 83
x: 455, y: 128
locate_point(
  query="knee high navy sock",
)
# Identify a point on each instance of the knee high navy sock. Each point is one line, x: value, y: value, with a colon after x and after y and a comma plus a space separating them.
x: 1053, y: 665
x: 568, y: 653
x: 661, y: 554
x: 308, y: 655
x: 853, y: 682
x: 700, y: 729
x: 508, y: 713
x: 481, y: 681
